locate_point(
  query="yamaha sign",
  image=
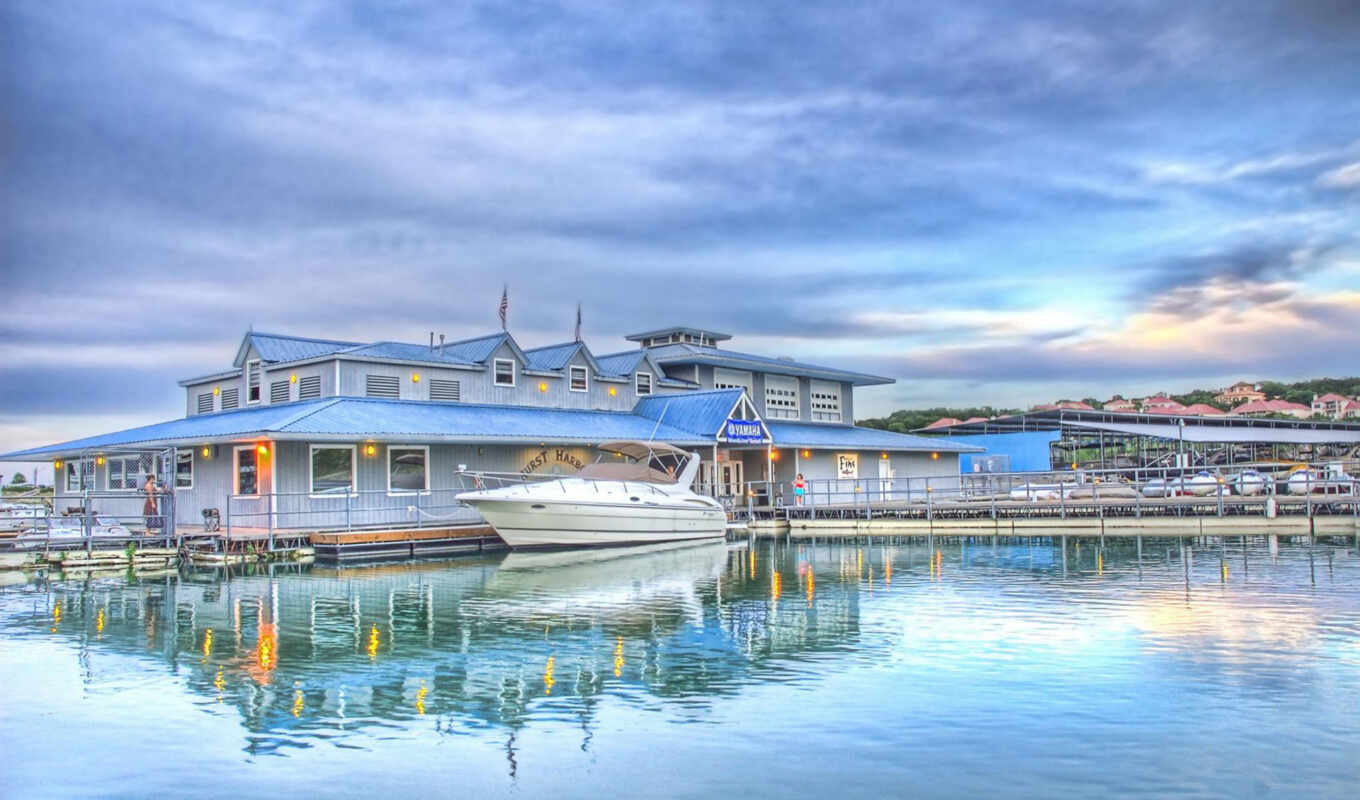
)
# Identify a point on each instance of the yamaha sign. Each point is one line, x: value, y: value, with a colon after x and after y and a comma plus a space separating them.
x: 744, y: 431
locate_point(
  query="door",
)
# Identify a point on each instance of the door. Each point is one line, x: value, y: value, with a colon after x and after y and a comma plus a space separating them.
x: 886, y: 473
x: 730, y: 483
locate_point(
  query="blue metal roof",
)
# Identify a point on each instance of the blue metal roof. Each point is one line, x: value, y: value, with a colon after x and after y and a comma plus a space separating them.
x: 273, y: 347
x: 406, y: 352
x: 680, y: 329
x: 476, y: 350
x: 245, y: 422
x: 362, y: 417
x: 365, y: 417
x: 798, y: 434
x: 553, y: 356
x: 693, y: 354
x: 624, y: 363
x: 701, y: 413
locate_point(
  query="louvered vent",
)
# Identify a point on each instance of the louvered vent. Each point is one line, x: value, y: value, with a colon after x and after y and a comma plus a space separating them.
x: 444, y: 391
x: 309, y: 387
x: 231, y: 398
x: 205, y: 403
x: 278, y: 392
x: 383, y: 386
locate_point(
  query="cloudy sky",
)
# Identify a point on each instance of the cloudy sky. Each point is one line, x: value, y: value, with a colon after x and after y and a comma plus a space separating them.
x: 995, y: 202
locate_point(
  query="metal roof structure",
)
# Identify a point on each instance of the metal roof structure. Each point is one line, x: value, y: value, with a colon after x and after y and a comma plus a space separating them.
x: 1214, y: 429
x: 712, y: 336
x: 695, y: 354
x: 797, y: 434
x: 408, y: 352
x: 700, y: 412
x: 554, y: 356
x: 624, y: 363
x: 351, y: 418
x: 275, y: 347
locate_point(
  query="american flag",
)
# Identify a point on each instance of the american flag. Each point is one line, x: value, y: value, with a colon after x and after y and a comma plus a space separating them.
x: 505, y: 304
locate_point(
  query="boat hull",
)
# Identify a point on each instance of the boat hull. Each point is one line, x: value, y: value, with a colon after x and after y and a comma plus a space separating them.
x: 524, y: 524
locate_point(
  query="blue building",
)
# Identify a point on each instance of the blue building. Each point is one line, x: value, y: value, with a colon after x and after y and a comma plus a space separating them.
x: 308, y: 433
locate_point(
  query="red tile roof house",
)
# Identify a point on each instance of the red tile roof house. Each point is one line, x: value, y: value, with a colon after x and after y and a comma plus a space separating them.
x: 1064, y: 405
x: 1261, y: 408
x: 943, y: 422
x: 1240, y: 392
x: 1204, y: 410
x: 1118, y: 403
x: 1331, y: 405
x: 1161, y: 404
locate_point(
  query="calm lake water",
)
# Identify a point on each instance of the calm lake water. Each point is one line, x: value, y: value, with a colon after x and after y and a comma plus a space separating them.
x: 702, y: 671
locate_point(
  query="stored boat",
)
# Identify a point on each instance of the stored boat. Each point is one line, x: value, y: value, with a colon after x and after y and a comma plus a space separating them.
x: 1203, y: 484
x: 1309, y: 481
x: 643, y: 499
x: 1249, y: 482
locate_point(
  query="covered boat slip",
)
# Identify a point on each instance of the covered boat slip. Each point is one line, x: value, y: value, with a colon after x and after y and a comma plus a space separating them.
x: 1137, y: 442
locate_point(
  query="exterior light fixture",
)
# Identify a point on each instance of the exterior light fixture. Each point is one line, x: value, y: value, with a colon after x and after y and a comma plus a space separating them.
x: 56, y: 464
x: 415, y: 377
x: 933, y: 456
x: 263, y: 449
x: 543, y: 387
x: 292, y: 378
x: 207, y: 451
x: 613, y: 391
x: 774, y: 455
x: 99, y: 461
x: 370, y: 449
x: 807, y: 454
x: 217, y: 390
x: 883, y: 456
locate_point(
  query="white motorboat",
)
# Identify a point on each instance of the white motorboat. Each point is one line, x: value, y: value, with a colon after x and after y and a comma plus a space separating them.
x: 68, y: 531
x: 1035, y: 492
x: 20, y: 516
x: 1249, y: 482
x: 644, y: 499
x: 1311, y: 481
x: 1203, y: 484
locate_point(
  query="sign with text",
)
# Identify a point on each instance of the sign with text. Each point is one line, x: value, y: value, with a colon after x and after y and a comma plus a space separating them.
x: 744, y: 431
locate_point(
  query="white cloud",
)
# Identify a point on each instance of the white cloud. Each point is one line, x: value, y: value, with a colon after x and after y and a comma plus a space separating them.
x: 1346, y: 177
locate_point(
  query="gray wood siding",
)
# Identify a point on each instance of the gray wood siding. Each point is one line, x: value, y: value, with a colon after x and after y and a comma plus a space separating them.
x: 324, y: 370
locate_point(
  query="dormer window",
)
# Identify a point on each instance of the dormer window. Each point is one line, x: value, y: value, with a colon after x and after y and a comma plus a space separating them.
x: 252, y: 382
x: 504, y: 371
x: 580, y: 379
x: 643, y: 383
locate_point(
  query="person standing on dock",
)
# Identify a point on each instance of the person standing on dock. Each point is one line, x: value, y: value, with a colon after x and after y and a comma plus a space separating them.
x: 150, y: 509
x: 799, y: 489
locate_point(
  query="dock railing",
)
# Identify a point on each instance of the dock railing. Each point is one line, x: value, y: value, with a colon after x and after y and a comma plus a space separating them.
x: 1260, y: 488
x: 92, y: 519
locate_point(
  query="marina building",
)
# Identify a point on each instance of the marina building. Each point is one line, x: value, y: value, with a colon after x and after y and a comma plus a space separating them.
x: 308, y: 433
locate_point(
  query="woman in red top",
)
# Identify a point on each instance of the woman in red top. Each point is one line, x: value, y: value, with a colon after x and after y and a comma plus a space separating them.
x: 799, y: 489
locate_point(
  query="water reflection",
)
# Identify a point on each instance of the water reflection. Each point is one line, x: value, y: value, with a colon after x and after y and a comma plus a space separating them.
x: 498, y: 647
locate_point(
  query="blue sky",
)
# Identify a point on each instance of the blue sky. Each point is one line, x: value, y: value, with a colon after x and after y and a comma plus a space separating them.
x: 995, y: 202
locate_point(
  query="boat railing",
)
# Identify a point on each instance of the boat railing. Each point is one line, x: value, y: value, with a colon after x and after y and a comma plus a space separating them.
x: 477, y: 480
x: 91, y: 519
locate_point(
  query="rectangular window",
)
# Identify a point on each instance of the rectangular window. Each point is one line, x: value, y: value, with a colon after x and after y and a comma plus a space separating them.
x: 444, y: 391
x: 122, y: 473
x: 309, y: 388
x: 79, y: 475
x: 280, y: 392
x: 184, y: 469
x: 504, y: 371
x: 642, y: 383
x: 580, y: 379
x: 826, y: 401
x: 731, y: 379
x: 247, y: 471
x: 781, y: 397
x: 382, y: 386
x: 407, y: 470
x: 252, y: 382
x: 231, y: 398
x: 205, y: 403
x: 332, y: 469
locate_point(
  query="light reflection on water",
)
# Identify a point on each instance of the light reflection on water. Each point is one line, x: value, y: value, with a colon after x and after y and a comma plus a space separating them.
x: 962, y: 669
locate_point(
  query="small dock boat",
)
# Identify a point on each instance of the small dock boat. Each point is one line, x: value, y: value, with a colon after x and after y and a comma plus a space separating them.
x: 1204, y: 483
x: 1249, y: 483
x: 643, y: 499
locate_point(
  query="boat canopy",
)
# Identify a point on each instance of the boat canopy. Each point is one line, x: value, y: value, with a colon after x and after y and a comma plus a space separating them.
x: 642, y: 451
x: 625, y: 471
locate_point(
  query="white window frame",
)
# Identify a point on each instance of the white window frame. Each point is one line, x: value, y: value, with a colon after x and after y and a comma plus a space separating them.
x: 407, y: 492
x: 236, y: 470
x: 495, y: 363
x: 821, y: 387
x: 571, y: 378
x: 637, y: 384
x: 730, y: 380
x: 79, y: 465
x: 782, y: 383
x: 353, y: 470
x: 246, y: 374
x: 108, y: 472
x: 193, y: 465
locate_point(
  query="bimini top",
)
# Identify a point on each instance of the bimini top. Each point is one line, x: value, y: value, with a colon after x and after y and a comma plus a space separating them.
x: 642, y: 450
x: 645, y: 455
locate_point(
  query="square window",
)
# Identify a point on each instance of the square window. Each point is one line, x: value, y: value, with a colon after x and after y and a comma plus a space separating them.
x: 184, y: 469
x: 407, y: 470
x: 504, y: 369
x: 580, y: 379
x: 332, y: 470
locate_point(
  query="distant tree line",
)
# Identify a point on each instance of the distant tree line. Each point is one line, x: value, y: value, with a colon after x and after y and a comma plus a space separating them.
x: 907, y: 419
